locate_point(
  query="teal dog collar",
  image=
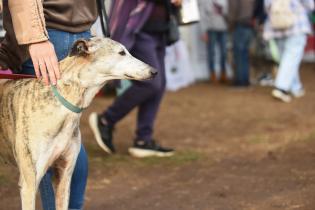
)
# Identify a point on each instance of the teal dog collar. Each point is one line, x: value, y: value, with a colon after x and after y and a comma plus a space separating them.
x: 65, y: 102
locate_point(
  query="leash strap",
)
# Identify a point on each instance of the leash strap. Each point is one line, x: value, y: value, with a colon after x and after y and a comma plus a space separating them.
x: 104, y: 17
x: 65, y: 102
x: 16, y: 76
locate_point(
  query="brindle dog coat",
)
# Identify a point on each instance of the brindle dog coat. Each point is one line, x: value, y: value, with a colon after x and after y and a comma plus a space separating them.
x: 40, y: 131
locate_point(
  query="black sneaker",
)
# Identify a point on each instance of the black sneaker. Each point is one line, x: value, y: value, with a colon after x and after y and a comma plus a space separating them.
x: 103, y: 133
x: 142, y: 149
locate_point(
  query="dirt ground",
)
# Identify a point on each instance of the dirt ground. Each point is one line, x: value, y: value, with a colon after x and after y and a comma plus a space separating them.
x: 236, y: 150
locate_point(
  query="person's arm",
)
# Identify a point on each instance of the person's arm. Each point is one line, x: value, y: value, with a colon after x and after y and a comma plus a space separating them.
x: 30, y: 29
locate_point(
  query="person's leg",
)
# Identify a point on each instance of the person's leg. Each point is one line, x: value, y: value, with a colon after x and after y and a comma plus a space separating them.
x: 247, y: 33
x: 148, y: 109
x: 62, y: 42
x: 78, y: 182
x: 223, y: 51
x: 78, y: 185
x: 297, y: 86
x: 47, y: 192
x: 242, y: 43
x: 211, y: 51
x: 222, y: 37
x: 146, y: 95
x: 290, y: 62
x: 140, y: 91
x: 236, y: 55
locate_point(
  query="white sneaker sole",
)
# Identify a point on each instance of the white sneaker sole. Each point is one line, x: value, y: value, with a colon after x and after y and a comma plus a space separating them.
x: 97, y: 135
x: 142, y: 153
x: 278, y: 95
x: 299, y: 94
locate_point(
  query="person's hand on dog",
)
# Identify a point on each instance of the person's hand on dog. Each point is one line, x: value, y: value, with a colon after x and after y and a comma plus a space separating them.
x: 45, y: 61
x: 176, y: 2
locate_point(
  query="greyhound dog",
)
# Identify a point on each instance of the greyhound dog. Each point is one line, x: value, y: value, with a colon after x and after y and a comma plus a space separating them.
x: 41, y: 130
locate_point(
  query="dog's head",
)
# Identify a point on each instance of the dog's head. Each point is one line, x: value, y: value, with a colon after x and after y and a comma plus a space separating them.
x: 107, y: 60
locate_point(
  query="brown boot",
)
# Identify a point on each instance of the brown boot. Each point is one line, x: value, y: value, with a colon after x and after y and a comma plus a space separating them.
x: 223, y: 78
x: 213, y: 77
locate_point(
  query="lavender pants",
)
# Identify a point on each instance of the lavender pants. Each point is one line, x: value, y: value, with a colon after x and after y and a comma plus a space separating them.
x: 146, y: 95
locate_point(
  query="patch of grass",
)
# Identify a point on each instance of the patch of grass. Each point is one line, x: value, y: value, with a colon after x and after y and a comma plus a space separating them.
x: 310, y: 137
x: 180, y: 158
x: 4, y: 180
x: 258, y: 139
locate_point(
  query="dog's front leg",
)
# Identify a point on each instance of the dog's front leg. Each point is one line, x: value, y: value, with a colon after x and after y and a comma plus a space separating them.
x: 28, y: 191
x: 28, y: 181
x: 64, y: 169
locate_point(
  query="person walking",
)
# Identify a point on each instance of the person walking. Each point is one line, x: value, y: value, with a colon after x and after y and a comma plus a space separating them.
x: 288, y: 23
x: 38, y: 34
x: 142, y: 26
x: 241, y: 23
x: 214, y: 25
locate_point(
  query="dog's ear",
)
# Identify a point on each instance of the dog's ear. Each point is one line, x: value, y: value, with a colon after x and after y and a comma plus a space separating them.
x: 80, y: 48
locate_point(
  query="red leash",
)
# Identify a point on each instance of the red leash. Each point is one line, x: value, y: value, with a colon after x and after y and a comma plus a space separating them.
x: 16, y: 76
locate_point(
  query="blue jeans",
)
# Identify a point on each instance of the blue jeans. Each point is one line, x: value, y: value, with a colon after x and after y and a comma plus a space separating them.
x: 62, y: 42
x: 241, y: 42
x: 214, y: 38
x: 288, y: 77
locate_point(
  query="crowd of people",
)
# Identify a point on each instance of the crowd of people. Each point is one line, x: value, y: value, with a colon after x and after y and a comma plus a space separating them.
x: 285, y: 23
x: 146, y: 27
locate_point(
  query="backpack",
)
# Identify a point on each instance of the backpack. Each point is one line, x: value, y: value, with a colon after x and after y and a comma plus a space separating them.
x: 281, y: 15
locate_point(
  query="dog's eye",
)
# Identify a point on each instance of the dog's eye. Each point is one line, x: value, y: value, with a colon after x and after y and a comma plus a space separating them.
x: 122, y: 53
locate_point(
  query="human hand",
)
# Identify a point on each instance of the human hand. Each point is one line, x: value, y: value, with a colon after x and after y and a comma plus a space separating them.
x: 45, y: 61
x: 176, y: 2
x: 1, y: 6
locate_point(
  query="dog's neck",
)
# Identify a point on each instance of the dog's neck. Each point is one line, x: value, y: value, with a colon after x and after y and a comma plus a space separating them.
x: 69, y: 85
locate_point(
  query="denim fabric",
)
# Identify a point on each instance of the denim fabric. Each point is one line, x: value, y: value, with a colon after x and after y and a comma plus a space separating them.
x: 217, y: 37
x: 241, y: 42
x: 288, y: 77
x: 146, y: 95
x: 62, y: 42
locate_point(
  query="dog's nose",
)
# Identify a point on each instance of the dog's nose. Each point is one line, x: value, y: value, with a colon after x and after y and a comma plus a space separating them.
x: 154, y: 72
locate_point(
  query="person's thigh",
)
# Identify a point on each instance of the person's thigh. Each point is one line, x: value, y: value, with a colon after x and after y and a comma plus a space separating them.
x: 146, y: 49
x: 213, y: 36
x: 79, y: 180
x: 62, y: 42
x: 290, y: 61
x: 222, y: 40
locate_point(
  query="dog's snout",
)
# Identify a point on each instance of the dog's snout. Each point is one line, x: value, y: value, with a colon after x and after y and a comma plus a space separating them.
x: 154, y: 72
